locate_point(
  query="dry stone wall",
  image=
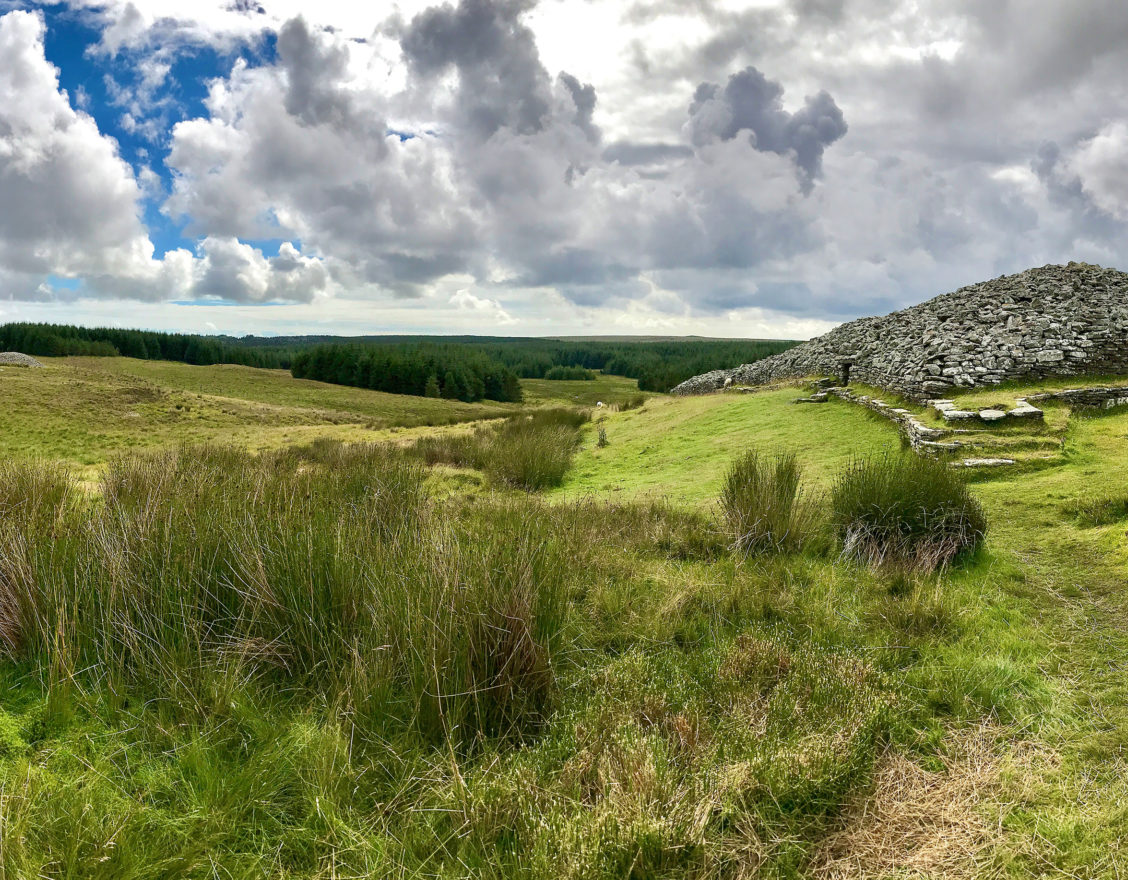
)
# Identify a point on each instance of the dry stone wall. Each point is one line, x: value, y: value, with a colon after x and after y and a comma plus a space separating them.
x: 1052, y: 321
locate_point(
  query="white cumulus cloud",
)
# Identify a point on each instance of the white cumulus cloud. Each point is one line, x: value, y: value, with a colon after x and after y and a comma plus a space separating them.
x: 72, y: 205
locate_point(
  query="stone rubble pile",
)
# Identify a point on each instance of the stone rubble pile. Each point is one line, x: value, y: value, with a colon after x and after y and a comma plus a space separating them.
x: 1052, y: 321
x: 17, y: 359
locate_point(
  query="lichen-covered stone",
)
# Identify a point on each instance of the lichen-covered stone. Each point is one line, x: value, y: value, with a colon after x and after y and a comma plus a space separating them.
x: 1052, y: 321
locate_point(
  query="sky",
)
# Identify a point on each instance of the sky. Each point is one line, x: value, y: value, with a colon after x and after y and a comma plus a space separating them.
x: 733, y: 168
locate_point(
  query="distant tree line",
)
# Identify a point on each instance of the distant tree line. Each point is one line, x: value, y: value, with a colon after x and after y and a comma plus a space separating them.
x: 58, y: 340
x: 456, y: 372
x: 566, y: 373
x: 658, y: 365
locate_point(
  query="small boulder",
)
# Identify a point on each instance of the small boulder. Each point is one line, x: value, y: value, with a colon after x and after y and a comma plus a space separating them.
x: 992, y: 415
x: 1026, y: 411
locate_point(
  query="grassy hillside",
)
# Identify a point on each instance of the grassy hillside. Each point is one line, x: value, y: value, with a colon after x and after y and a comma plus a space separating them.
x: 305, y: 664
x: 85, y: 410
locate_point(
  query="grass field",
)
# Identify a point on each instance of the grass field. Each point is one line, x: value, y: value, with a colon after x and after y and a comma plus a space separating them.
x: 85, y: 410
x: 246, y: 667
x: 678, y: 448
x: 610, y: 390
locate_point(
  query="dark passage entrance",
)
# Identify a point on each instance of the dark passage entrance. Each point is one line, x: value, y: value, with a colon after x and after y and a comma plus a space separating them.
x: 845, y: 373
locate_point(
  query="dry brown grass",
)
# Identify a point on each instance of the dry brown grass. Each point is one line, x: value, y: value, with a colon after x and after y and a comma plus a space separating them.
x: 10, y: 636
x: 923, y: 823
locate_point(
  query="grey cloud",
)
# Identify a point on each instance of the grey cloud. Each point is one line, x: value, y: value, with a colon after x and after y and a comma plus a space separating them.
x: 306, y: 154
x: 830, y: 10
x: 247, y: 7
x: 1046, y: 44
x: 237, y: 272
x: 725, y: 297
x: 406, y: 274
x: 627, y: 153
x: 1066, y: 191
x: 583, y: 96
x: 315, y: 70
x: 751, y: 102
x: 69, y: 201
x: 501, y: 79
x: 929, y: 191
x: 608, y: 292
x: 575, y: 266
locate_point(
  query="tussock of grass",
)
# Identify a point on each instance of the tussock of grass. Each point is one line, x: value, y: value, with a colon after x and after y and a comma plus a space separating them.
x: 763, y: 503
x: 905, y: 510
x: 526, y: 451
x: 916, y: 606
x: 1100, y: 511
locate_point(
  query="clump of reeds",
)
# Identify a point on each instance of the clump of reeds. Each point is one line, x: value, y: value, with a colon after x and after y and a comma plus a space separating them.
x: 1098, y: 511
x: 529, y: 451
x: 905, y: 510
x: 321, y: 570
x: 764, y: 504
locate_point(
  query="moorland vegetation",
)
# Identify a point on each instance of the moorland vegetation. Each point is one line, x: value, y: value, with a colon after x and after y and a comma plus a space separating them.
x: 296, y: 661
x: 425, y: 657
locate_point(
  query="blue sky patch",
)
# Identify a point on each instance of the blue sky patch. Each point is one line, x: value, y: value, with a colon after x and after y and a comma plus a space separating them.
x: 106, y: 87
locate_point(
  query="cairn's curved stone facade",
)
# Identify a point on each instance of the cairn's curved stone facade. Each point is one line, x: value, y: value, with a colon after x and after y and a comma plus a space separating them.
x: 1052, y: 321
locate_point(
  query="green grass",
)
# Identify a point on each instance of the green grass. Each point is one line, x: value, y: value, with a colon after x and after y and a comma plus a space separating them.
x: 1049, y: 593
x: 680, y: 448
x: 1008, y: 392
x: 272, y: 664
x: 278, y: 388
x: 611, y: 390
x: 529, y: 451
x: 85, y: 410
x: 1031, y: 445
x: 763, y: 504
x: 325, y: 662
x: 1098, y: 510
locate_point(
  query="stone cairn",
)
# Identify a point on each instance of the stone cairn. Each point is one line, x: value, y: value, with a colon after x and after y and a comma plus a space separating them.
x: 1053, y: 321
x: 17, y: 359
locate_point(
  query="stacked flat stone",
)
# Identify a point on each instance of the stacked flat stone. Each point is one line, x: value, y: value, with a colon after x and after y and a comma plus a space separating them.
x: 1053, y: 321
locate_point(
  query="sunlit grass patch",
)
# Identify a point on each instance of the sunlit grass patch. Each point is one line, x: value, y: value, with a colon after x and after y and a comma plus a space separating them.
x: 1100, y: 510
